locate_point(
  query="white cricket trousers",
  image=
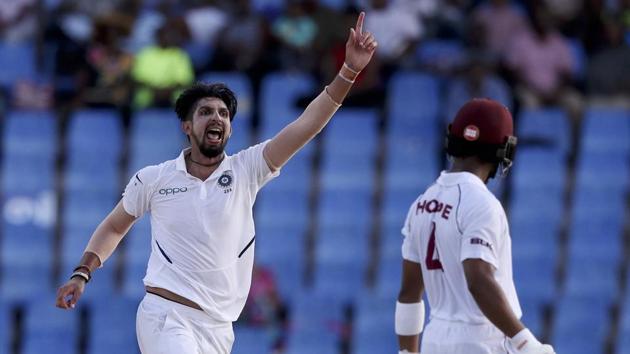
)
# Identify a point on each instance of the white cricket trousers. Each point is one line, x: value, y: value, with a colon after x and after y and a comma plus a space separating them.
x: 447, y: 337
x: 166, y: 327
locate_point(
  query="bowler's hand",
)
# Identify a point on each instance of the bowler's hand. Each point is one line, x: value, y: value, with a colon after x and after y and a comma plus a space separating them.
x: 74, y: 289
x: 360, y: 46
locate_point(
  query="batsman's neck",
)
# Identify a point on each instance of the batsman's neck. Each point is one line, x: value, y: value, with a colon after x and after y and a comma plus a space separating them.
x: 473, y: 165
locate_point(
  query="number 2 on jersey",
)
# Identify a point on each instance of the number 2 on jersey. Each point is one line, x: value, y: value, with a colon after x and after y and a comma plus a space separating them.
x: 432, y: 263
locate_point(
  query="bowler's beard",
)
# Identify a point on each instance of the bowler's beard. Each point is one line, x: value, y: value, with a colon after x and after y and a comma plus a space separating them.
x: 211, y: 151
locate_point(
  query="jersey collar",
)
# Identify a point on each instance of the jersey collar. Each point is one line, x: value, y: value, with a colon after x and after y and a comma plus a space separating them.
x: 180, y: 163
x: 453, y: 178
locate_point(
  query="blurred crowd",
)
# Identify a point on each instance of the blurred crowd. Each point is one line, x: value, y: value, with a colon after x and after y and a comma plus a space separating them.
x: 133, y: 54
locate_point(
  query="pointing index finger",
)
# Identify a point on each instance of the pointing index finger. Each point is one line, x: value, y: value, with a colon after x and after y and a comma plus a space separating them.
x: 359, y: 26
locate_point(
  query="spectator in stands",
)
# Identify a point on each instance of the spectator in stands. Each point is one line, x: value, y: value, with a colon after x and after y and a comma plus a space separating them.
x: 161, y: 71
x: 542, y: 65
x: 296, y: 31
x: 148, y: 21
x: 109, y: 65
x: 477, y: 80
x: 205, y: 19
x: 624, y: 9
x: 331, y: 28
x: 608, y: 75
x: 264, y: 307
x: 449, y: 20
x: 501, y: 21
x: 592, y: 27
x: 18, y: 20
x: 564, y: 12
x: 241, y: 43
x: 398, y: 30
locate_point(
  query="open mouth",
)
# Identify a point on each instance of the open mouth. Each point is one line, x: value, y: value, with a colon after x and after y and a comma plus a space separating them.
x: 214, y: 135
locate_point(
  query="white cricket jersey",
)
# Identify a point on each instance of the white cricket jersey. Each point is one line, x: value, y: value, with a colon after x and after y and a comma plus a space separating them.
x: 202, y: 231
x: 458, y: 218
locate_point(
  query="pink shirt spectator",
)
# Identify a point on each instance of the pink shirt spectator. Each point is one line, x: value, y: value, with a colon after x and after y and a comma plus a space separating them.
x: 501, y: 23
x: 540, y: 64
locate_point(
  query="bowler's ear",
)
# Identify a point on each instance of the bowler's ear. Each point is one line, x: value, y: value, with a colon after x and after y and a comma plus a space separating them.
x: 187, y: 127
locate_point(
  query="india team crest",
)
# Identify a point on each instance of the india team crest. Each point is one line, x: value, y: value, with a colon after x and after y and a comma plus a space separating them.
x: 226, y: 180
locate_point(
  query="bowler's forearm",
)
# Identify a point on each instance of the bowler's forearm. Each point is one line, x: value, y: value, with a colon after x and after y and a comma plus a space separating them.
x: 109, y: 233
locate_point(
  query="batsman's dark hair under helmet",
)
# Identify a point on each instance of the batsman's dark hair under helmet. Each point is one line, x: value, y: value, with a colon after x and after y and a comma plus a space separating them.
x: 483, y: 128
x: 187, y: 99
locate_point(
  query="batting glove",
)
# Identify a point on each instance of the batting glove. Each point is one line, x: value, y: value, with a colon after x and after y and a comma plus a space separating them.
x: 524, y: 342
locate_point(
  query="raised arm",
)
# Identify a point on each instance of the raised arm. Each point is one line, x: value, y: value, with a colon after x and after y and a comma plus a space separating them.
x: 359, y: 50
x: 103, y: 242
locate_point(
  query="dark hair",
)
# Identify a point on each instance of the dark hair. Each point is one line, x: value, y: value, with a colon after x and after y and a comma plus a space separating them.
x: 188, y: 99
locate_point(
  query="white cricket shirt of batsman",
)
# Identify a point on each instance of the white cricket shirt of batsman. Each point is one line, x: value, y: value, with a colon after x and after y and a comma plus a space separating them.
x: 458, y: 218
x: 202, y: 232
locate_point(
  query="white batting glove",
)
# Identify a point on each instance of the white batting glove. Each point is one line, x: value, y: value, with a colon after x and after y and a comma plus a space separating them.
x: 524, y: 342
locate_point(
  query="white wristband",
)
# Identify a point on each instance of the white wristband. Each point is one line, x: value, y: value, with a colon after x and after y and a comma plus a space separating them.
x: 409, y: 318
x: 523, y: 339
x: 407, y: 352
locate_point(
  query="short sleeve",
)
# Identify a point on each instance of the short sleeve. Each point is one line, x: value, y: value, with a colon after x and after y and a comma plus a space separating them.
x: 256, y: 165
x: 410, y: 249
x: 137, y: 195
x: 481, y: 230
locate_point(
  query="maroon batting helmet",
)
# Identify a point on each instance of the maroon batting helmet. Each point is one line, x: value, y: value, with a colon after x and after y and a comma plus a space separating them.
x: 483, y: 128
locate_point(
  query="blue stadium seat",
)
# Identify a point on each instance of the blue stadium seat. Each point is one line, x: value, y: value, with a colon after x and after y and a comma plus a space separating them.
x: 46, y: 327
x: 588, y: 280
x: 623, y: 335
x: 113, y: 326
x: 414, y: 100
x: 410, y: 164
x: 316, y: 324
x: 340, y: 279
x: 137, y: 245
x: 604, y: 171
x: 17, y: 61
x: 251, y: 340
x: 373, y: 330
x: 200, y: 53
x: 348, y: 173
x: 353, y: 132
x: 30, y: 133
x: 93, y: 132
x: 395, y: 206
x: 540, y: 168
x: 6, y: 328
x: 606, y: 130
x: 296, y: 175
x: 587, y: 317
x: 580, y: 59
x: 279, y: 93
x: 535, y: 278
x: 389, y: 274
x: 345, y: 209
x: 282, y: 208
x: 280, y: 244
x: 532, y: 315
x: 548, y: 127
x: 25, y: 281
x: 445, y: 53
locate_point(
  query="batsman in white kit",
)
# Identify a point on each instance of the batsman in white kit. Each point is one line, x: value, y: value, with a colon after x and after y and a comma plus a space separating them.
x: 202, y: 228
x: 457, y: 247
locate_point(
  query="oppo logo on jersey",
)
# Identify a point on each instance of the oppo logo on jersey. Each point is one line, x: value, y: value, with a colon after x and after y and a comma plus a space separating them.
x: 434, y: 206
x: 167, y: 191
